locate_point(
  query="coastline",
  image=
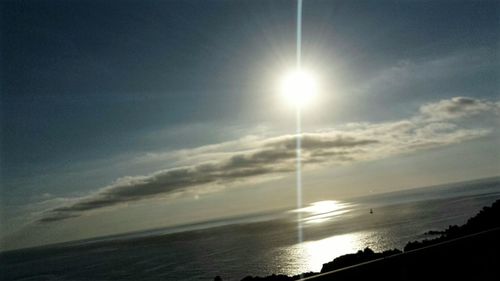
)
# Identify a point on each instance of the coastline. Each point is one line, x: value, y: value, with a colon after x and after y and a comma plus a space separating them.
x: 466, y: 252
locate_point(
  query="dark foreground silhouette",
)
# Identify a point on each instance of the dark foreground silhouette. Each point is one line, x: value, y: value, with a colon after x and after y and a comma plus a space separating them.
x: 467, y: 252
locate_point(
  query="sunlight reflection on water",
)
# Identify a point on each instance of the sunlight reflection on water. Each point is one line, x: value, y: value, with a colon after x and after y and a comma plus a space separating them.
x: 323, y: 211
x: 311, y: 255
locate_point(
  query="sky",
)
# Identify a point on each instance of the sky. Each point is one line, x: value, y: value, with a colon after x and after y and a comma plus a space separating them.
x: 120, y: 116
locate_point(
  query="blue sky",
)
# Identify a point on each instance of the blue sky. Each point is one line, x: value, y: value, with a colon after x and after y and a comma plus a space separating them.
x: 168, y: 110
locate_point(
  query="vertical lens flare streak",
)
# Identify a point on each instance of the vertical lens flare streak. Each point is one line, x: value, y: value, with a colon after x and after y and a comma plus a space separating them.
x: 299, y: 127
x: 299, y: 33
x: 299, y: 176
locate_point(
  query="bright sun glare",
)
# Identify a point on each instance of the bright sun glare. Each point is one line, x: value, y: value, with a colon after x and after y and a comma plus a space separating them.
x: 299, y: 87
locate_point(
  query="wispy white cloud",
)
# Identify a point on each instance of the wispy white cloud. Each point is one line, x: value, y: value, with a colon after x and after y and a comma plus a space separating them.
x: 418, y: 73
x: 458, y: 107
x: 251, y: 159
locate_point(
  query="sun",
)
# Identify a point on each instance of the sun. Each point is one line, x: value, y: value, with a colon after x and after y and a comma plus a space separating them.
x: 298, y: 87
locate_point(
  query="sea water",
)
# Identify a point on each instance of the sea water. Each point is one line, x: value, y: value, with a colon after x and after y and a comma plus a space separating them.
x: 260, y: 244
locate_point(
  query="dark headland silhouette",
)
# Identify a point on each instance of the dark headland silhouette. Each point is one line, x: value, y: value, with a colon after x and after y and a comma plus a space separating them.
x: 467, y: 252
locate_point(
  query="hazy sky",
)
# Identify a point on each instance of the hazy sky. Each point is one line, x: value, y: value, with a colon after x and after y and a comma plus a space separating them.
x: 126, y: 115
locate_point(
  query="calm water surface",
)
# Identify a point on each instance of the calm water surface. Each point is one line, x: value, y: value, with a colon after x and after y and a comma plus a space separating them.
x: 258, y: 245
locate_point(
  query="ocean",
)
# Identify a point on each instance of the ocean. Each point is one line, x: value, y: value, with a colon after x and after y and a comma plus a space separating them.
x: 260, y: 244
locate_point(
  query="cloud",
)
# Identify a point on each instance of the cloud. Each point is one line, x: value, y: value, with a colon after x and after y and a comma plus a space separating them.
x: 273, y: 156
x: 458, y: 107
x: 253, y: 158
x: 420, y: 77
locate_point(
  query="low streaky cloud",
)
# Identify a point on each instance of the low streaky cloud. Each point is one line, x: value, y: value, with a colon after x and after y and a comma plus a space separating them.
x: 258, y: 158
x: 271, y: 157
